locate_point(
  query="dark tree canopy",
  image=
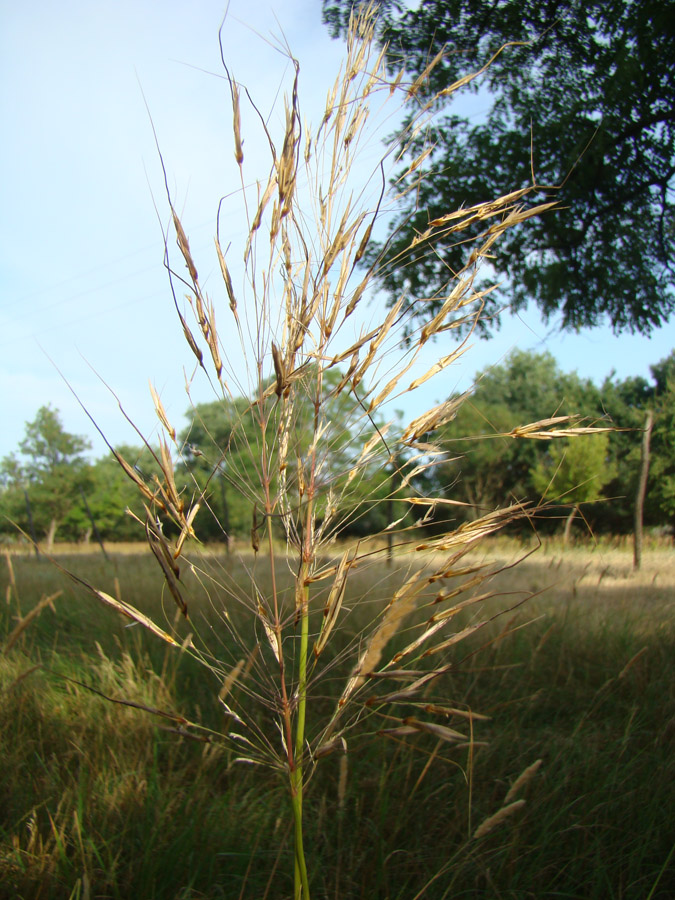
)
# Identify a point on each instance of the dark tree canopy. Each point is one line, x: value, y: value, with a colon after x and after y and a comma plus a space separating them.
x: 593, y: 97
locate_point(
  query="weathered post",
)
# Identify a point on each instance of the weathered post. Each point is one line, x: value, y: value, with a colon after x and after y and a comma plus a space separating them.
x: 642, y: 489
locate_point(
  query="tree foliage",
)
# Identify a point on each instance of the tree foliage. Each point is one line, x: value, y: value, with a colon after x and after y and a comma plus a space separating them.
x: 111, y: 494
x: 661, y: 489
x: 626, y: 402
x: 484, y: 467
x: 48, y: 477
x: 587, y: 104
x: 573, y: 472
x: 50, y: 489
x: 222, y: 453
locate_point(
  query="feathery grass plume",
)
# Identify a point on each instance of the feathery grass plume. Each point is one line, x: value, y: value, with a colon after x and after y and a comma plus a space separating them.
x: 525, y: 776
x: 310, y: 448
x: 500, y: 816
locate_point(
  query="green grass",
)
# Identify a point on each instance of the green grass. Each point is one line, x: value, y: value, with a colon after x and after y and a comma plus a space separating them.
x: 98, y: 800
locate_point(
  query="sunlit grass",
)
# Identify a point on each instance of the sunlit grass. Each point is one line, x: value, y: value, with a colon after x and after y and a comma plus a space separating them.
x: 101, y: 795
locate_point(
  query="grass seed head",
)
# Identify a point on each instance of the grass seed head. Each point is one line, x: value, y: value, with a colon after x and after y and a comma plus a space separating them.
x: 497, y: 819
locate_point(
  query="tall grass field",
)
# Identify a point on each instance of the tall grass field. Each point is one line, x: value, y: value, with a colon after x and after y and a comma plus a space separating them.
x: 102, y: 799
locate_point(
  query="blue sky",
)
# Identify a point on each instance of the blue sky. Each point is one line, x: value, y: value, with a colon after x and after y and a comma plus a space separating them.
x: 83, y: 293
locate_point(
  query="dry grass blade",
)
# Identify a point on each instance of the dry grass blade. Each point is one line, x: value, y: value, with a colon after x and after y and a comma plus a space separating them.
x: 161, y: 413
x: 187, y: 530
x: 192, y: 343
x: 456, y: 638
x: 399, y: 731
x: 541, y: 430
x: 405, y: 696
x: 225, y: 272
x: 453, y: 711
x: 278, y: 370
x: 439, y: 731
x: 399, y: 608
x: 126, y: 609
x: 472, y: 214
x: 145, y: 491
x: 25, y: 621
x: 272, y: 635
x: 129, y: 612
x: 135, y: 615
x: 468, y: 78
x: 436, y: 368
x: 414, y: 645
x: 171, y: 572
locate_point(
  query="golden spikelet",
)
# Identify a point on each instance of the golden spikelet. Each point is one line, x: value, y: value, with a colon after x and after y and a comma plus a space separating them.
x: 184, y: 246
x: 230, y: 679
x: 161, y: 413
x: 236, y: 115
x: 525, y: 776
x: 495, y: 820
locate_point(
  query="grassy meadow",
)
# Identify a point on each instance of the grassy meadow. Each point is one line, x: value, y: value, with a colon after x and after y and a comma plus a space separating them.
x: 102, y: 799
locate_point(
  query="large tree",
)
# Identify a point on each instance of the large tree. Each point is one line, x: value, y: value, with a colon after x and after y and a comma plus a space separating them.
x: 574, y: 472
x: 661, y: 485
x: 43, y: 487
x: 485, y: 467
x: 587, y: 105
x: 627, y: 403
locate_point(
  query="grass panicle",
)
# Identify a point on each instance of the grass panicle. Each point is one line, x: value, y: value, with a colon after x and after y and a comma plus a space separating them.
x: 293, y: 681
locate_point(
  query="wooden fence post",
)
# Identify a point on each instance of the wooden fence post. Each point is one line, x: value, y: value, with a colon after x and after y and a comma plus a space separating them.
x: 642, y: 490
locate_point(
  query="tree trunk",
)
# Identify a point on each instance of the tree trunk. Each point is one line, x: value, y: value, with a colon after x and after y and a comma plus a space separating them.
x: 93, y: 529
x: 51, y: 534
x: 30, y: 524
x: 642, y: 490
x: 568, y: 525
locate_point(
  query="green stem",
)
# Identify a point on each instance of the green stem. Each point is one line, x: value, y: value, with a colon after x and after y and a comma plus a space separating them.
x: 301, y: 880
x: 302, y: 592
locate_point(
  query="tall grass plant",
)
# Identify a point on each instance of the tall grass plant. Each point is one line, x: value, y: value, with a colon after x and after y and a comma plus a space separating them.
x: 316, y: 649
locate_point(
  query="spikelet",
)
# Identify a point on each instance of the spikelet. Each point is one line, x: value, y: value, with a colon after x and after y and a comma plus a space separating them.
x: 495, y: 820
x: 525, y: 776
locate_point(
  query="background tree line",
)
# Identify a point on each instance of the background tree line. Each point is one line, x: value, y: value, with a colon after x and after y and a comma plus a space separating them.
x: 52, y: 490
x: 572, y: 474
x: 580, y: 107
